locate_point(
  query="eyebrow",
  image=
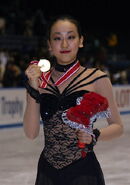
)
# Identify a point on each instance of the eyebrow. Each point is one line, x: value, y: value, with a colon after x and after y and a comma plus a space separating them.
x: 63, y: 32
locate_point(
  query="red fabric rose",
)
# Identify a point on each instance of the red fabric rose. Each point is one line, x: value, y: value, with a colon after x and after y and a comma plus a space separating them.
x: 91, y: 104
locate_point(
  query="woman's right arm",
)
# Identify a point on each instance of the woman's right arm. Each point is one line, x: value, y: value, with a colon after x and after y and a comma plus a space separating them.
x: 31, y: 120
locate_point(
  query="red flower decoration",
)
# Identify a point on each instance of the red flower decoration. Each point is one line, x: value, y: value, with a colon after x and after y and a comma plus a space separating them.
x: 91, y: 104
x: 89, y: 107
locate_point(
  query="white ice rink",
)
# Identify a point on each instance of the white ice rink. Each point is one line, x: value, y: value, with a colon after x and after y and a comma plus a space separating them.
x: 19, y: 156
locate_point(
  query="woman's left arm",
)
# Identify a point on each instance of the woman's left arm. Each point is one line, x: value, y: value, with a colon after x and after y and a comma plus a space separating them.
x: 114, y: 129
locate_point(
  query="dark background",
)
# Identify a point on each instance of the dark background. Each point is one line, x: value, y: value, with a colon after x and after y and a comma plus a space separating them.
x: 100, y: 15
x: 26, y: 20
x: 97, y: 17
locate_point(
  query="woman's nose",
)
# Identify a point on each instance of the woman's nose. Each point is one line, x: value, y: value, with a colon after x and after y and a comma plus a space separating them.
x: 64, y: 43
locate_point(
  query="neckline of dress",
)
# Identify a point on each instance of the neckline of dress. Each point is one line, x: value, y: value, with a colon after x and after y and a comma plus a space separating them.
x: 64, y: 68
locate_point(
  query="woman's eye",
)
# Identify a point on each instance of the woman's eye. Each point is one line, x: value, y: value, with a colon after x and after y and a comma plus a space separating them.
x: 71, y: 37
x: 57, y: 38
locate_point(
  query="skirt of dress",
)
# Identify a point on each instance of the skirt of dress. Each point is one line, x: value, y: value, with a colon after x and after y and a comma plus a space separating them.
x: 86, y: 171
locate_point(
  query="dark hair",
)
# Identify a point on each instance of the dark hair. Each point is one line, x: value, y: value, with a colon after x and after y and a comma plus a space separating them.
x: 74, y: 21
x: 63, y: 17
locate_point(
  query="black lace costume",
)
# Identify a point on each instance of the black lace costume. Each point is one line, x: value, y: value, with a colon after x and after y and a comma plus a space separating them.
x: 60, y: 162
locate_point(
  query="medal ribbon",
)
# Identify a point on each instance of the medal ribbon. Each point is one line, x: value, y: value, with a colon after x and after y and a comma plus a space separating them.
x: 46, y: 76
x: 68, y: 74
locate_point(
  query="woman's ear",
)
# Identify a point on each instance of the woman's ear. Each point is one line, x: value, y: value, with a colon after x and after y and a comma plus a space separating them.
x: 81, y: 42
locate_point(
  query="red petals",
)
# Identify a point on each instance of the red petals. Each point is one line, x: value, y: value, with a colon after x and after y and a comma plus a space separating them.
x: 91, y: 104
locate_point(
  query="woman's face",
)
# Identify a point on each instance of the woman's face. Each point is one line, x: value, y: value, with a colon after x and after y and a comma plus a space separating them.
x: 64, y: 41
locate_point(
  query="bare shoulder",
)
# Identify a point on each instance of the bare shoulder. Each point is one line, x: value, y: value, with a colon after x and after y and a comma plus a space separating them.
x: 96, y: 72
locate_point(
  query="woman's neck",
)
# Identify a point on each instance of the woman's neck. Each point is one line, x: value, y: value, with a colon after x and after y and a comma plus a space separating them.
x: 64, y: 68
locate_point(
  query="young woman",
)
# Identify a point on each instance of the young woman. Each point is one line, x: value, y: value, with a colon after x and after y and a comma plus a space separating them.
x: 61, y: 162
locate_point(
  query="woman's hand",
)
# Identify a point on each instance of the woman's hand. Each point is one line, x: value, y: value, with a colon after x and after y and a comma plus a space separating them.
x: 84, y: 137
x: 33, y: 73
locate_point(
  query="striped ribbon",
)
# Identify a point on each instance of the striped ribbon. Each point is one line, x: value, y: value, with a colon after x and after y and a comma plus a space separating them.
x: 46, y: 75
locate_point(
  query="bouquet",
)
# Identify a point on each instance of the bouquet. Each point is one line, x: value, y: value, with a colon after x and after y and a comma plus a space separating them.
x: 90, y: 107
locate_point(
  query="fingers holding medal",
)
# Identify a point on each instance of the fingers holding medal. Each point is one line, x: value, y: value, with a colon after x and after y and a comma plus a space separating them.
x: 33, y: 72
x: 37, y: 67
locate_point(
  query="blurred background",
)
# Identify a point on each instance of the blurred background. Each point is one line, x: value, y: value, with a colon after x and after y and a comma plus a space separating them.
x: 22, y: 36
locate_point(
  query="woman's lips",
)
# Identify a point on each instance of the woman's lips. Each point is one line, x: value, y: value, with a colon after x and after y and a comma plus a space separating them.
x: 64, y: 52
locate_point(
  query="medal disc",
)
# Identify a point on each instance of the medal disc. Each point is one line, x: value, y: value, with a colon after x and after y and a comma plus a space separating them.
x: 44, y: 65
